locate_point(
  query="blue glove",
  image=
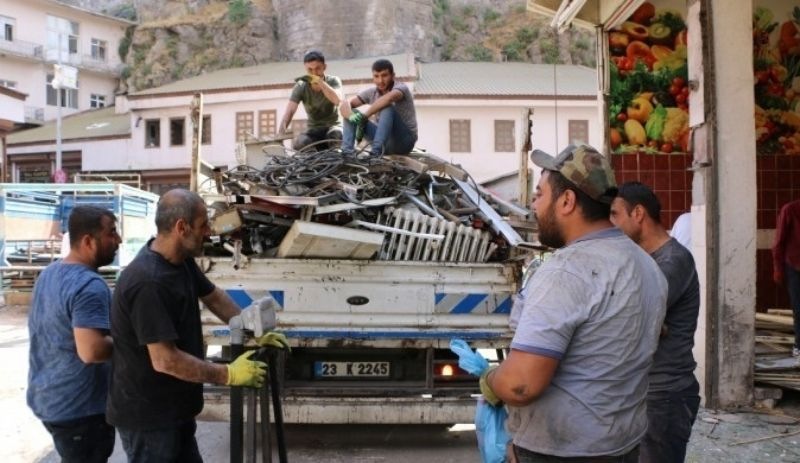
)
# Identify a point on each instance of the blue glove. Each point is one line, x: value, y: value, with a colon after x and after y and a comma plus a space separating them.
x: 468, y: 359
x: 356, y: 117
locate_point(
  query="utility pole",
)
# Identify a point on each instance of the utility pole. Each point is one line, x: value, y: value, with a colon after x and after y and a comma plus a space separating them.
x: 196, y: 115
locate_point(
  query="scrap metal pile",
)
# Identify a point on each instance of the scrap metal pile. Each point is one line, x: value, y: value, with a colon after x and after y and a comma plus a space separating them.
x: 322, y: 204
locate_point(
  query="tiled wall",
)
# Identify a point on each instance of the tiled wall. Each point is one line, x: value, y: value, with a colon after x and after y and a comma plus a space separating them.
x: 778, y: 180
x: 666, y: 174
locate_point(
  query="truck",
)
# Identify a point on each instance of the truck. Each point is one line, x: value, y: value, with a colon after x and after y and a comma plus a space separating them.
x: 369, y: 335
x: 33, y: 220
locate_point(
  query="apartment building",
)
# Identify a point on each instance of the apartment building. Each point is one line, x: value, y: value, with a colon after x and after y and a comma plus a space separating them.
x: 36, y: 34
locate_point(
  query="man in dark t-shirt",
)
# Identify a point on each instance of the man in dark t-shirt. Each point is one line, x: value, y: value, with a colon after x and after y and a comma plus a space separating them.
x: 158, y: 367
x: 636, y: 211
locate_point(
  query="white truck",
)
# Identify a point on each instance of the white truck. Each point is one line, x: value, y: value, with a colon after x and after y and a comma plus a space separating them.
x: 370, y: 339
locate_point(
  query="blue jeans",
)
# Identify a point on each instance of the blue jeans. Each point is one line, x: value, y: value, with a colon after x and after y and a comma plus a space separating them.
x: 390, y: 135
x: 175, y: 444
x: 526, y: 456
x: 83, y: 440
x: 670, y: 416
x: 792, y: 279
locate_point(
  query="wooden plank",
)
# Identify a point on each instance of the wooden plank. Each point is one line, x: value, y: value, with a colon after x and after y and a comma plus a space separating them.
x: 312, y: 239
x: 776, y: 319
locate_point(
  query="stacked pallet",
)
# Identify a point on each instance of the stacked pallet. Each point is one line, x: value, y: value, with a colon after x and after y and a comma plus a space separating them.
x: 774, y: 364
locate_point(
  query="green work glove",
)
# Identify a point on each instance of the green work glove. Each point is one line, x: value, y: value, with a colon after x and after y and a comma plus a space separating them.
x: 356, y: 117
x: 246, y: 372
x: 488, y: 393
x: 274, y: 339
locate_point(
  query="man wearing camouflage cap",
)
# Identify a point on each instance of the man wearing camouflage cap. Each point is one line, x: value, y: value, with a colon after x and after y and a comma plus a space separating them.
x: 575, y: 381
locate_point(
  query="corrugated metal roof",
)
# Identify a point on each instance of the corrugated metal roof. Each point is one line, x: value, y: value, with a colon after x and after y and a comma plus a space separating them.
x: 96, y: 123
x: 280, y: 74
x: 504, y: 79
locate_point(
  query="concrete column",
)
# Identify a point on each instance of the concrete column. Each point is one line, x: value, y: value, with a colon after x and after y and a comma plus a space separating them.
x: 730, y: 188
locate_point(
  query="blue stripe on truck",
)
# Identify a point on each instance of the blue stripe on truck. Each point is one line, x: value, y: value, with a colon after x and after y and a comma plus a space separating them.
x: 241, y: 297
x: 333, y: 334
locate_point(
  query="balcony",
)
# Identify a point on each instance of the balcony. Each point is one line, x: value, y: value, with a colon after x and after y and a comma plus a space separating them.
x: 34, y: 115
x: 22, y: 49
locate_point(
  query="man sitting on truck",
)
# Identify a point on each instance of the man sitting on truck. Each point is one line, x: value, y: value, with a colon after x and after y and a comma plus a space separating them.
x: 575, y: 381
x: 396, y: 129
x: 320, y: 94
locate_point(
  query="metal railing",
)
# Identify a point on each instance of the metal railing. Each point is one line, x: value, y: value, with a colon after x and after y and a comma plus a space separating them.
x: 34, y: 114
x: 22, y: 48
x: 38, y: 52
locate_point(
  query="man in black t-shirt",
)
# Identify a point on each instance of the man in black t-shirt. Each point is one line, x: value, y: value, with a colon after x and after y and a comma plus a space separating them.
x: 158, y: 367
x: 673, y: 395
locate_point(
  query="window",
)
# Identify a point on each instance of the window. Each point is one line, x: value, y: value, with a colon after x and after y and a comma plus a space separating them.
x: 152, y: 133
x: 69, y: 96
x: 299, y: 126
x: 205, y: 137
x: 7, y: 26
x: 99, y: 49
x: 62, y: 38
x: 8, y: 83
x: 97, y: 101
x: 244, y: 126
x: 177, y: 131
x: 579, y: 131
x: 267, y: 123
x: 460, y: 136
x: 504, y: 136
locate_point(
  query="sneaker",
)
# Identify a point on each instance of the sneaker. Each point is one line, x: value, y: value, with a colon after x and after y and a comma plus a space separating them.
x: 795, y: 352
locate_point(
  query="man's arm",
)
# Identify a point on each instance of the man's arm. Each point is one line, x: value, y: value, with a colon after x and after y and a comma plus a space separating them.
x: 288, y: 114
x: 346, y: 108
x: 387, y: 99
x: 92, y: 345
x: 221, y: 304
x: 522, y: 377
x: 332, y: 94
x: 167, y: 358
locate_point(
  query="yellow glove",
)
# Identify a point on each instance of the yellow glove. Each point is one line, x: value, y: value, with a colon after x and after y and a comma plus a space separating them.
x: 313, y: 79
x: 488, y: 393
x: 274, y: 339
x: 246, y: 372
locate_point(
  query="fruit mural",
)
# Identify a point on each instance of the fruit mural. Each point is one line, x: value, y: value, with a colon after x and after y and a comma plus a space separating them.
x: 648, y: 100
x: 776, y: 65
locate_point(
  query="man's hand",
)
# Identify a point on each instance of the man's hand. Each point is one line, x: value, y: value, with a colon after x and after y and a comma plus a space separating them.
x: 309, y: 79
x: 246, y: 372
x: 274, y: 339
x: 487, y: 391
x: 356, y: 117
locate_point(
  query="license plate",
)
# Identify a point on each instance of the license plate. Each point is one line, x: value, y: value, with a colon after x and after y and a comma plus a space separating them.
x: 350, y: 369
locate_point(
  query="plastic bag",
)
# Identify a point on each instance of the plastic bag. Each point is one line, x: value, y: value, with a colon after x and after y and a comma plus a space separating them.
x: 468, y: 360
x: 490, y: 428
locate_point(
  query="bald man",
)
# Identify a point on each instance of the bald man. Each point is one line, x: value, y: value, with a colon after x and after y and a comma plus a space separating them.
x: 158, y: 367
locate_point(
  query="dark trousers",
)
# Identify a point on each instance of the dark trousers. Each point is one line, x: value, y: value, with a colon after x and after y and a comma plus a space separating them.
x: 314, y: 135
x: 526, y: 456
x: 792, y: 279
x: 84, y: 440
x: 175, y: 444
x: 670, y: 416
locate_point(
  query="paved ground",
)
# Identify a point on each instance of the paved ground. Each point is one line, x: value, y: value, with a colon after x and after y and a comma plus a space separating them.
x: 717, y: 437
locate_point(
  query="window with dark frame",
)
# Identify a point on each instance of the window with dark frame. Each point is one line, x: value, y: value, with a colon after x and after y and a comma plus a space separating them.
x: 97, y: 101
x: 8, y: 28
x: 69, y: 96
x: 267, y: 123
x: 152, y: 133
x: 578, y: 131
x: 504, y: 136
x: 244, y: 126
x: 460, y: 141
x: 205, y: 137
x: 177, y: 131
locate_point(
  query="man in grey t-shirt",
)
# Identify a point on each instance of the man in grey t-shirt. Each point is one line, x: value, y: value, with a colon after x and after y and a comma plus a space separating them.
x: 396, y: 129
x: 575, y: 381
x: 673, y: 397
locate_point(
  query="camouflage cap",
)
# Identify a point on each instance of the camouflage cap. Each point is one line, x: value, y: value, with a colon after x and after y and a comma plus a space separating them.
x: 584, y: 167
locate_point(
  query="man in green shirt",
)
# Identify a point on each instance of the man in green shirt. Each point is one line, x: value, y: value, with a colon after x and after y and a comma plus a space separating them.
x: 320, y: 95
